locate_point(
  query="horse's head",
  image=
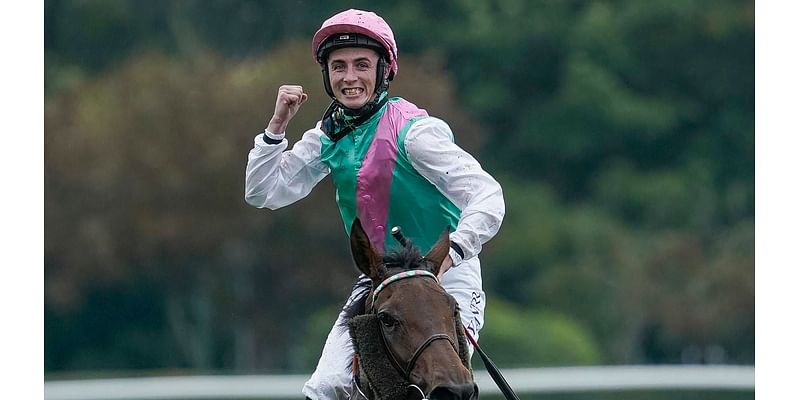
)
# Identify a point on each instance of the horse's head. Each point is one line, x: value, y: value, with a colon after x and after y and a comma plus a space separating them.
x: 418, y: 321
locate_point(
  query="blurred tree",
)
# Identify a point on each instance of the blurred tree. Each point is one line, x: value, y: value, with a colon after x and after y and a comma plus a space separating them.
x: 517, y: 337
x: 646, y: 294
x: 144, y: 173
x: 622, y: 132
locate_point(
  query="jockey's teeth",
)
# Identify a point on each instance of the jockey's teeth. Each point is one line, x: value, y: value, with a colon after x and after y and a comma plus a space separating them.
x: 351, y: 92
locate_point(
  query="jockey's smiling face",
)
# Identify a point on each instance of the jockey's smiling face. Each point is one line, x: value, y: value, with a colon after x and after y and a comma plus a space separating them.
x: 352, y: 72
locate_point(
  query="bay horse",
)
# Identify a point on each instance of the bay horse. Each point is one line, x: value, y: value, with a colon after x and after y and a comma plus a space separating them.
x: 408, y: 336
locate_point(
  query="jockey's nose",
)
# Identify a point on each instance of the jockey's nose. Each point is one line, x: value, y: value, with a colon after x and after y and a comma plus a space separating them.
x: 455, y: 392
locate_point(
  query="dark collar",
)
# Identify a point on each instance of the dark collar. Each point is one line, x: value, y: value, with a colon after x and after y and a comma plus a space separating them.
x: 339, y: 120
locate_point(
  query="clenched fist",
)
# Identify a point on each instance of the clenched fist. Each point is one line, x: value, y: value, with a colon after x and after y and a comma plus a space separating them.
x: 290, y: 98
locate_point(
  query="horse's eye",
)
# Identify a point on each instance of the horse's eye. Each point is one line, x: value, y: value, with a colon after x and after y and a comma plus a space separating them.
x: 387, y: 320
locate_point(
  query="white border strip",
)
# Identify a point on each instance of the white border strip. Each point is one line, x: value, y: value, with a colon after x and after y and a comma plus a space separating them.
x: 526, y: 380
x: 614, y: 378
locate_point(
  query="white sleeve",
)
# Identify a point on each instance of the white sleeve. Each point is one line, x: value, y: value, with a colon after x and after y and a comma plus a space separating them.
x: 275, y: 178
x: 432, y: 152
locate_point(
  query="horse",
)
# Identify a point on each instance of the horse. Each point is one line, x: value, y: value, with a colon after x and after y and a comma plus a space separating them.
x: 408, y: 337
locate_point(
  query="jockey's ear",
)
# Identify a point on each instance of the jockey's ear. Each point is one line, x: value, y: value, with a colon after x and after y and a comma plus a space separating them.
x: 439, y: 251
x: 367, y: 259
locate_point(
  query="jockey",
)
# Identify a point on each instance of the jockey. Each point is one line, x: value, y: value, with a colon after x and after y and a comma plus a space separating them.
x: 392, y: 165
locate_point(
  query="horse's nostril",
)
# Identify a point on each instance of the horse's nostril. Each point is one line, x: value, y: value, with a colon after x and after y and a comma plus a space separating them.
x: 455, y: 392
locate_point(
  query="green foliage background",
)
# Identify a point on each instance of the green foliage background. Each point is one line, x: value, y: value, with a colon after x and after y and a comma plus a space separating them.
x: 622, y: 133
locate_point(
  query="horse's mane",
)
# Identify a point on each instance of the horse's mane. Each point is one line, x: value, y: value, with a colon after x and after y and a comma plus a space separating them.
x: 404, y: 258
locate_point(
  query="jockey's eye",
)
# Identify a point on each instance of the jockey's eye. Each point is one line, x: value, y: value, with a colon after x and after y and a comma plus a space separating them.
x: 387, y: 320
x: 337, y: 67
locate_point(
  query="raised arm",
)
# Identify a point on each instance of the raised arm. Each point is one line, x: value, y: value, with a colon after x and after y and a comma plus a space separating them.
x: 275, y: 177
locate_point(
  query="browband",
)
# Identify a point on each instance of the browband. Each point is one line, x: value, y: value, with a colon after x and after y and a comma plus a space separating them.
x: 399, y: 276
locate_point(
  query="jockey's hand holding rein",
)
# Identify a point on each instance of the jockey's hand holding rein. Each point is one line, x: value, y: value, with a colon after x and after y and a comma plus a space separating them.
x: 290, y: 98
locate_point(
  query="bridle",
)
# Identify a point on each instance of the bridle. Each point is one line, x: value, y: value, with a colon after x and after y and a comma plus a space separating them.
x: 494, y: 372
x: 406, y: 372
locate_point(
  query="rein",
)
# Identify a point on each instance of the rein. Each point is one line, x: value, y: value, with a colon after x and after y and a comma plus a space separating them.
x: 494, y: 372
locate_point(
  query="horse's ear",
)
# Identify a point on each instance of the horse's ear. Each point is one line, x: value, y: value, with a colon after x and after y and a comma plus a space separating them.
x: 439, y: 251
x: 367, y: 259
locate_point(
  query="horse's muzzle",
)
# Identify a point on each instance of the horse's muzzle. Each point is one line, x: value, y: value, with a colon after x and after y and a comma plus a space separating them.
x: 455, y: 392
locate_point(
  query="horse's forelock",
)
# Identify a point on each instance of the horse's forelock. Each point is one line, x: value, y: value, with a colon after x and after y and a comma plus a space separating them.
x: 403, y: 259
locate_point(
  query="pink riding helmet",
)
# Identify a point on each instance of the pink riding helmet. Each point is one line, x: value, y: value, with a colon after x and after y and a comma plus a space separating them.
x: 357, y: 21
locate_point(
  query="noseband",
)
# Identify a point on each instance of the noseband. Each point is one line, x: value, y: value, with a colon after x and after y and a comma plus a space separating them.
x: 406, y: 372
